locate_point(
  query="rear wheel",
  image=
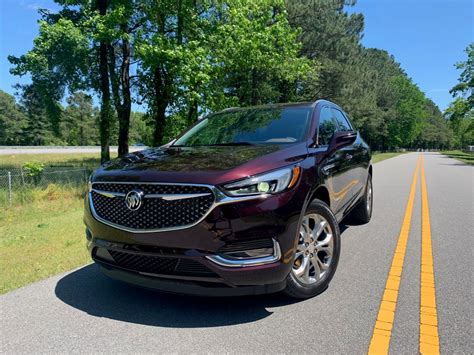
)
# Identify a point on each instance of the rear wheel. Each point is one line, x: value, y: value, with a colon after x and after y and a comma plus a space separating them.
x: 362, y: 213
x: 317, y: 252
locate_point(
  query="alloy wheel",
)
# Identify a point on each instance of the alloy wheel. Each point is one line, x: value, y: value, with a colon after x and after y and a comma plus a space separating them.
x: 314, y: 250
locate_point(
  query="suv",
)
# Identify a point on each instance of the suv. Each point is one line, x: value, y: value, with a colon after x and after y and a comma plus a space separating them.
x: 246, y: 201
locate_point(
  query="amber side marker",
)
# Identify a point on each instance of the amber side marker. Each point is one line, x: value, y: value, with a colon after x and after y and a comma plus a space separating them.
x: 295, y: 177
x: 429, y: 339
x: 380, y: 342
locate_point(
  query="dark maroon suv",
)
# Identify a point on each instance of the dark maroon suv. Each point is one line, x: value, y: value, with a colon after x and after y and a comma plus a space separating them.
x: 246, y: 201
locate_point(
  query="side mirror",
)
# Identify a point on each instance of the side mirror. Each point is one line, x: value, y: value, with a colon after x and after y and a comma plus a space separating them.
x: 341, y: 139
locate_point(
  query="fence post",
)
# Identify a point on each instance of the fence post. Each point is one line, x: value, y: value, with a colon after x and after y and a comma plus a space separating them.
x: 22, y: 177
x: 10, y: 187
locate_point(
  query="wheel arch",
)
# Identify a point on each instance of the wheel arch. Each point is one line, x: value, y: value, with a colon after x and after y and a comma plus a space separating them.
x: 321, y: 193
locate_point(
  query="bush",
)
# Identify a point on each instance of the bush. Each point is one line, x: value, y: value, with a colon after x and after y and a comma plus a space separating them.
x: 34, y: 170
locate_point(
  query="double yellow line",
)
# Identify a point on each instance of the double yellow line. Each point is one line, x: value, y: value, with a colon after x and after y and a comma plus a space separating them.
x: 429, y: 340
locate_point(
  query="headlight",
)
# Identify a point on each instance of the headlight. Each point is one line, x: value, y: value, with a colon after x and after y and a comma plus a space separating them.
x: 269, y: 183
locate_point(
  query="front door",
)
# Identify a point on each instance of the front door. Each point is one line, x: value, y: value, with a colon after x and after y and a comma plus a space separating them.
x: 336, y: 165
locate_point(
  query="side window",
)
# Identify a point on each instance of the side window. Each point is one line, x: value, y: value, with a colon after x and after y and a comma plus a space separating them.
x: 327, y: 126
x: 343, y: 124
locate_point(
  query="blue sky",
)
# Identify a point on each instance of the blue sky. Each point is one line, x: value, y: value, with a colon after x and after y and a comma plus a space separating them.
x: 426, y: 36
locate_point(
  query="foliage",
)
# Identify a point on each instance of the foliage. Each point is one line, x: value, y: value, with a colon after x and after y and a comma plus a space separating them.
x: 79, y: 125
x: 388, y: 109
x: 183, y: 59
x: 12, y: 121
x: 33, y: 169
x: 460, y: 112
x: 465, y: 85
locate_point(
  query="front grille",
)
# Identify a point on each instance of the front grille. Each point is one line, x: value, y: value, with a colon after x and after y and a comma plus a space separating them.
x: 154, y: 213
x: 154, y: 264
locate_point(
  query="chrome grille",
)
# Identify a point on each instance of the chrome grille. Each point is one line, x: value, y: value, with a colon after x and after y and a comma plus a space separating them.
x: 164, y: 206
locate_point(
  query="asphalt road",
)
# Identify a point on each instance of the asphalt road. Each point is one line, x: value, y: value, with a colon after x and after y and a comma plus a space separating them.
x: 82, y: 311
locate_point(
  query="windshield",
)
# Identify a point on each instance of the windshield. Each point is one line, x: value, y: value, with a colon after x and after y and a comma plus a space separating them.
x: 250, y: 126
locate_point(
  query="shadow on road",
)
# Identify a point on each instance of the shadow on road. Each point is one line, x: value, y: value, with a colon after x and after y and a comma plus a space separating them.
x: 88, y: 290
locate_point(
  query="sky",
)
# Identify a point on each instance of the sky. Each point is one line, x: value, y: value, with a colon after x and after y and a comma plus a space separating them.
x: 426, y: 36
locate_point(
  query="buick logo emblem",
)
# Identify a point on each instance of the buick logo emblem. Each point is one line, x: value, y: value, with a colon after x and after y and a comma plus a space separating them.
x: 133, y: 200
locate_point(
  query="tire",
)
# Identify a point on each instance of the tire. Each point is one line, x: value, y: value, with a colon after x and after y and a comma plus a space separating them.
x: 362, y: 213
x: 314, y: 248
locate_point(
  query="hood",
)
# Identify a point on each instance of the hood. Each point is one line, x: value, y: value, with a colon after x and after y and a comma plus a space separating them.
x: 203, y: 165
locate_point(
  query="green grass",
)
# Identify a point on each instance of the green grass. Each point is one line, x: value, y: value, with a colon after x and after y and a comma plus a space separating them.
x: 42, y: 238
x: 376, y: 157
x: 53, y: 160
x: 467, y: 158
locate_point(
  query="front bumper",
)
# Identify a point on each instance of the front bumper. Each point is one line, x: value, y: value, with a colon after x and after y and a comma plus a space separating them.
x: 273, y: 218
x: 190, y: 287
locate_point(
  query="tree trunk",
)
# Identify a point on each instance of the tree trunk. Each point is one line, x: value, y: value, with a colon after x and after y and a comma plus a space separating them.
x: 192, y: 112
x: 254, y: 100
x: 105, y: 93
x: 124, y: 117
x: 160, y: 117
x: 162, y: 94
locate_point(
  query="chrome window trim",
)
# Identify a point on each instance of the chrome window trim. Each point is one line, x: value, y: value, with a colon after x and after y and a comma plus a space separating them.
x: 219, y: 199
x: 246, y: 262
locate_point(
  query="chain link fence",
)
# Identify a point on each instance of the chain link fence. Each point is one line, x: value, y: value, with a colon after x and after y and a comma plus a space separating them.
x: 18, y: 180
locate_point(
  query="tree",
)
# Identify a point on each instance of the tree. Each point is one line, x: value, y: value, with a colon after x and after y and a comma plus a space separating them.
x: 331, y: 37
x: 186, y: 58
x: 38, y: 129
x: 435, y: 133
x: 460, y: 112
x: 87, y: 45
x: 12, y: 121
x: 465, y: 86
x: 79, y: 123
x: 255, y: 55
x: 200, y: 57
x: 57, y: 60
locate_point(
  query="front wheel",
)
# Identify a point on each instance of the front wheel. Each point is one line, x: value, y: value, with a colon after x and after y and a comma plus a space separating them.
x: 317, y: 252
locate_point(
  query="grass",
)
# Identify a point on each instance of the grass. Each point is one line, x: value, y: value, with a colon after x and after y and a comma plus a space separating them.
x: 377, y: 157
x: 467, y: 158
x: 42, y: 238
x: 52, y: 160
